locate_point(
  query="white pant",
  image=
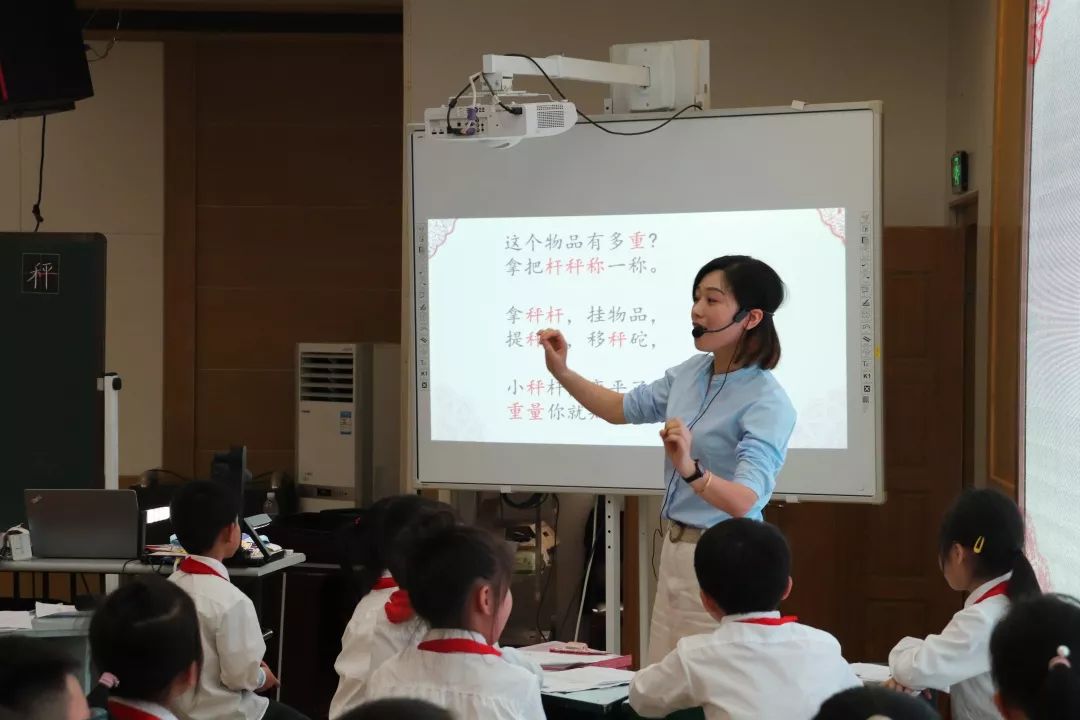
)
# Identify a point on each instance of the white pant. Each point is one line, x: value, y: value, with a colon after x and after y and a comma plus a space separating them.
x: 677, y: 610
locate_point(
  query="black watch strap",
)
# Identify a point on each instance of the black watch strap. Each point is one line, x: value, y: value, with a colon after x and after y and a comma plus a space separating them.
x: 696, y: 475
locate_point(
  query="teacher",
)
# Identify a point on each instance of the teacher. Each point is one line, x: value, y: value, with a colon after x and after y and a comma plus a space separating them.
x: 726, y: 419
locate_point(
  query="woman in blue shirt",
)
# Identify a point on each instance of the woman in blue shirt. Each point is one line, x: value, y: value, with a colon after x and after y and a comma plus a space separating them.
x: 723, y: 454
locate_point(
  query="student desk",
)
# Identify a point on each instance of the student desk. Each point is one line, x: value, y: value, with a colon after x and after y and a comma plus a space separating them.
x: 71, y: 633
x: 135, y: 567
x: 609, y: 702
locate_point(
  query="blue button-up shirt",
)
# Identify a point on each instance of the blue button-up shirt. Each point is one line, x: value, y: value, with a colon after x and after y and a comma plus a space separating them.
x: 741, y: 429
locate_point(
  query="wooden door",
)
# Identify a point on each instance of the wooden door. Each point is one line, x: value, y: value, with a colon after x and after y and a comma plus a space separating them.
x: 868, y: 574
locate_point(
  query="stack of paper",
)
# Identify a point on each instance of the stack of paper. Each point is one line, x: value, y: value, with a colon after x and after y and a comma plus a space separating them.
x: 44, y: 610
x: 870, y: 674
x: 586, y: 678
x: 552, y: 660
x: 15, y: 620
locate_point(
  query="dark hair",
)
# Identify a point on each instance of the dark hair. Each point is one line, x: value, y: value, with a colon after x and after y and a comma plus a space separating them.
x: 756, y: 286
x: 1021, y: 648
x: 199, y: 511
x: 445, y: 566
x: 395, y: 708
x: 33, y: 678
x: 743, y: 565
x: 860, y: 703
x: 990, y: 520
x: 380, y: 537
x: 146, y: 633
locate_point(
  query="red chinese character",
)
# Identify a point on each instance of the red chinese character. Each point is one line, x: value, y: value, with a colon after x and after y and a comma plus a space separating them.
x: 535, y: 387
x: 515, y: 411
x: 617, y: 339
x: 573, y: 266
x: 637, y: 241
x: 535, y: 315
x: 596, y: 266
x: 536, y: 410
x: 554, y: 314
x: 554, y: 266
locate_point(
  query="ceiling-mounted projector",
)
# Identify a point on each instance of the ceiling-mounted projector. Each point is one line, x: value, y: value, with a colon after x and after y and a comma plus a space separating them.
x: 500, y: 125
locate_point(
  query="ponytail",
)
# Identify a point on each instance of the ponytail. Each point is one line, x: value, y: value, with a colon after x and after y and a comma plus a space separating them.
x: 1030, y: 657
x: 1059, y: 696
x: 1023, y: 584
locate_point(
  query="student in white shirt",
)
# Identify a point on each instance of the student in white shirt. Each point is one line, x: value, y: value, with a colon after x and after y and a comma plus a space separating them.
x: 459, y: 583
x: 756, y: 664
x: 866, y: 703
x: 145, y: 636
x: 981, y: 552
x: 204, y: 516
x: 1034, y: 660
x: 383, y: 623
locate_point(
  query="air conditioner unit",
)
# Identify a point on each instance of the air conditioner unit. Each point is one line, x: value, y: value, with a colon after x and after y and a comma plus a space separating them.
x: 347, y: 424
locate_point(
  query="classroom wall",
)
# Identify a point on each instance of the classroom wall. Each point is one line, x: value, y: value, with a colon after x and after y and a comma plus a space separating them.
x: 762, y: 53
x: 969, y: 126
x: 104, y: 172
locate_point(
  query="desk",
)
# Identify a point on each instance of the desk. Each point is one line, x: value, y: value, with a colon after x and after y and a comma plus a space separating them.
x: 609, y: 702
x: 135, y: 567
x: 70, y: 632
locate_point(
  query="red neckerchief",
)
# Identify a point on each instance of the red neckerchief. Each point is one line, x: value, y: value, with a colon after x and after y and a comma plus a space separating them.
x: 770, y: 620
x: 459, y: 645
x: 399, y: 608
x: 195, y: 567
x: 121, y: 711
x: 385, y: 583
x: 1000, y: 589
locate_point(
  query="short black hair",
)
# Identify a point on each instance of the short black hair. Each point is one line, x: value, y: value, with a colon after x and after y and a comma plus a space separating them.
x: 146, y: 633
x: 33, y: 678
x: 860, y: 703
x: 756, y: 286
x: 199, y: 511
x: 398, y: 709
x: 743, y: 565
x: 445, y: 567
x: 1021, y: 648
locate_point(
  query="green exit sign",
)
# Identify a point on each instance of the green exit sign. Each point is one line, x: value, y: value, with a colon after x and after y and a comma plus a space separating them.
x: 958, y: 171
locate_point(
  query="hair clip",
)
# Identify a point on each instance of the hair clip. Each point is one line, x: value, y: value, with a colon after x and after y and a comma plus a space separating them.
x: 1062, y: 657
x: 979, y: 543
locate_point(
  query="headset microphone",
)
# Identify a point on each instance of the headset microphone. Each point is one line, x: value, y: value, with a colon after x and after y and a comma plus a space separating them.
x: 699, y: 331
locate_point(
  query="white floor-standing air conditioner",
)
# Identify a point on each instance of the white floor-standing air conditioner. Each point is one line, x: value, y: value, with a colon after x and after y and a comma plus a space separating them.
x: 347, y: 423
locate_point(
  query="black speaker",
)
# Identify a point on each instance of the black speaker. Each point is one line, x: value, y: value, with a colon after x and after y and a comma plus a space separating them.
x: 43, y: 65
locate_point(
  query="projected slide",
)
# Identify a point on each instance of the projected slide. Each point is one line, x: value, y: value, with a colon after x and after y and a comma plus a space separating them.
x: 619, y: 288
x: 1052, y: 493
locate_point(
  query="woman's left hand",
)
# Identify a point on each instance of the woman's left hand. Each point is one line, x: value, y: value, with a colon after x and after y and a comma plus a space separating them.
x: 677, y: 443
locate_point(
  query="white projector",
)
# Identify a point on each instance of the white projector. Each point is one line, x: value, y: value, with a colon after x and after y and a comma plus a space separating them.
x: 493, y: 125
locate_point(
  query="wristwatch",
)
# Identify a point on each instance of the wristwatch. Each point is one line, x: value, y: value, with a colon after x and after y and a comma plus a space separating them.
x: 696, y: 475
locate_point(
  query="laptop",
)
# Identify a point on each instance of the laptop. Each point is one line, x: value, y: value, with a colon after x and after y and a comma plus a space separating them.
x: 84, y: 523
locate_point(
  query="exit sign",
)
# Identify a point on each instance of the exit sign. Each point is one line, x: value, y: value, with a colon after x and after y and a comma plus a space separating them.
x: 958, y: 172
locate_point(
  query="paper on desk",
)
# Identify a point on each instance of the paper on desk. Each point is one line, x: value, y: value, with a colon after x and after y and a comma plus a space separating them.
x: 16, y: 620
x: 871, y: 673
x: 43, y: 610
x: 586, y: 678
x: 554, y: 660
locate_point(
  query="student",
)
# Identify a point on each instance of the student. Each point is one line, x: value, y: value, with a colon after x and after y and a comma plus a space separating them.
x: 981, y: 552
x: 756, y: 664
x: 146, y: 637
x: 38, y: 682
x: 865, y: 703
x: 383, y: 623
x: 398, y: 709
x: 204, y: 515
x: 1034, y: 661
x: 459, y: 583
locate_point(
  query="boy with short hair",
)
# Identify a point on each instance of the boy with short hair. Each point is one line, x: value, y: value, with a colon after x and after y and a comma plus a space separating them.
x: 756, y: 664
